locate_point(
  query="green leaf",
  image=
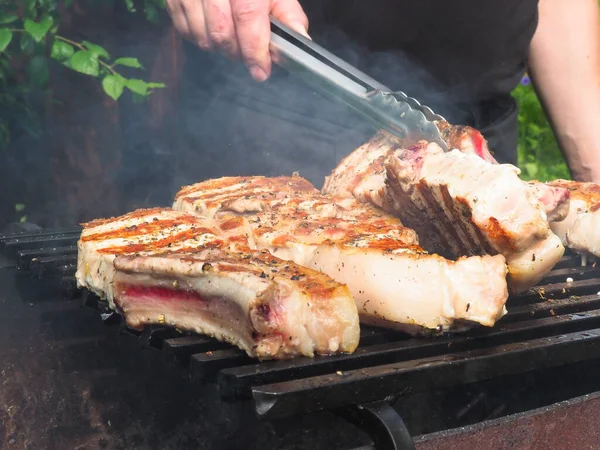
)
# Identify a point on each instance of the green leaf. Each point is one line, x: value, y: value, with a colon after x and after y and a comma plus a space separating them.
x: 151, y: 13
x: 156, y: 85
x: 61, y: 51
x: 129, y: 62
x: 85, y: 62
x: 5, y: 38
x: 138, y: 86
x: 37, y: 70
x: 113, y: 86
x: 130, y: 5
x: 19, y: 207
x: 30, y: 8
x: 7, y: 19
x: 38, y: 30
x: 96, y: 50
x: 26, y: 43
x: 48, y: 5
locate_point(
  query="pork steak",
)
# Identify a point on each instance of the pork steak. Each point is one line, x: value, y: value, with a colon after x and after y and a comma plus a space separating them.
x: 395, y: 283
x: 159, y: 266
x: 458, y: 203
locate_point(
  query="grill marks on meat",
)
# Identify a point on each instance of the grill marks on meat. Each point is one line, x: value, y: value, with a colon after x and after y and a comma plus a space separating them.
x: 295, y: 212
x: 580, y: 229
x: 220, y: 195
x: 363, y: 170
x: 458, y: 203
x: 204, y: 276
x: 470, y: 141
x: 388, y: 273
x: 102, y: 240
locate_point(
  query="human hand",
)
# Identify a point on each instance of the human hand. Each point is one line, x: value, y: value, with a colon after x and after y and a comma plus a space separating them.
x: 238, y: 28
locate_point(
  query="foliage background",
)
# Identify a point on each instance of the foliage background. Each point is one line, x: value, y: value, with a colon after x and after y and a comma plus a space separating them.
x: 539, y: 155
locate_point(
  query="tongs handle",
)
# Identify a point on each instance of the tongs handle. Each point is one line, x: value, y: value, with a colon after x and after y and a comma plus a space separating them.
x: 300, y: 55
x: 394, y: 111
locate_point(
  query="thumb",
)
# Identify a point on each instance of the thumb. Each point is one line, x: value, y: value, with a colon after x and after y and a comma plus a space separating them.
x: 290, y: 13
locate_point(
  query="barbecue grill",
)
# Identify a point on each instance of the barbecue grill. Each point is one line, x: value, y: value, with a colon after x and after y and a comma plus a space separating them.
x: 551, y: 331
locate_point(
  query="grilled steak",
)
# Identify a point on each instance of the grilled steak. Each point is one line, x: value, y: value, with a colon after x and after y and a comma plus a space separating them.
x: 580, y: 230
x: 160, y: 266
x: 458, y: 203
x: 394, y: 282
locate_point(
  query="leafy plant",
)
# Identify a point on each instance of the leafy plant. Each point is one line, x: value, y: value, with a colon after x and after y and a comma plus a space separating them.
x: 540, y: 157
x: 30, y: 40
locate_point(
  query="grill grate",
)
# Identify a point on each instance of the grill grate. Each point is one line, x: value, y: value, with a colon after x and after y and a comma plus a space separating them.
x: 553, y: 324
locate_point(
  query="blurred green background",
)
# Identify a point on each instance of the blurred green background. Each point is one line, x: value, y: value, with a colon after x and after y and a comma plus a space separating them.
x: 539, y: 155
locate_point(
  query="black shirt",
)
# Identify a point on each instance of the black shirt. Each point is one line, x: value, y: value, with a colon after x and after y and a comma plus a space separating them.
x: 460, y: 57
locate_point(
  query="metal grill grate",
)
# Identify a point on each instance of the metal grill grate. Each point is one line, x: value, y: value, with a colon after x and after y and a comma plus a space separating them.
x: 553, y: 324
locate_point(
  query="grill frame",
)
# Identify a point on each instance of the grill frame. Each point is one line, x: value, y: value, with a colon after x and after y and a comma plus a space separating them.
x: 553, y: 324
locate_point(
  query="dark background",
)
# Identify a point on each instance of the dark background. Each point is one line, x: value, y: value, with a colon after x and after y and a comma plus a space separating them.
x: 97, y: 157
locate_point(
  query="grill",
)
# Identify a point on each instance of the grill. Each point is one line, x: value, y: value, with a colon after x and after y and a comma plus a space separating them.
x: 557, y: 323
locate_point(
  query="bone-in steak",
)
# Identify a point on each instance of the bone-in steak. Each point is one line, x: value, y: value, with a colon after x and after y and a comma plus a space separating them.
x: 458, y: 203
x: 159, y: 266
x: 394, y: 281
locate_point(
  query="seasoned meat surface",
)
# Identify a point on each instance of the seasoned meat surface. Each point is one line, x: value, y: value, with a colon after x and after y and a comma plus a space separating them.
x: 394, y: 281
x: 459, y: 204
x: 159, y: 266
x: 580, y: 230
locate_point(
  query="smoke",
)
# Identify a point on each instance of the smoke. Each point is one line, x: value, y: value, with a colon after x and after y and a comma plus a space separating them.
x: 224, y: 124
x: 235, y: 126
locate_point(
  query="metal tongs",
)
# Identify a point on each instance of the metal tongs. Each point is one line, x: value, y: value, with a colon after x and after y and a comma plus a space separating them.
x: 395, y: 112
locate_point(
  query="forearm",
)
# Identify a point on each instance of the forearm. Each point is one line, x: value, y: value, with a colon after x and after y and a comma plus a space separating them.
x: 565, y: 68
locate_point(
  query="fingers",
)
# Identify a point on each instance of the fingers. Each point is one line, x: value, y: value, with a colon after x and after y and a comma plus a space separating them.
x: 188, y: 18
x: 291, y: 14
x: 219, y: 26
x: 240, y: 28
x: 194, y: 14
x: 251, y: 19
x: 178, y: 17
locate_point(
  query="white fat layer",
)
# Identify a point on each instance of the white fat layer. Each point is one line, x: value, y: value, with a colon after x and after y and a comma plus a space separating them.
x: 219, y: 316
x: 584, y: 234
x: 576, y: 208
x: 234, y: 290
x: 528, y: 267
x: 95, y: 272
x: 399, y: 288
